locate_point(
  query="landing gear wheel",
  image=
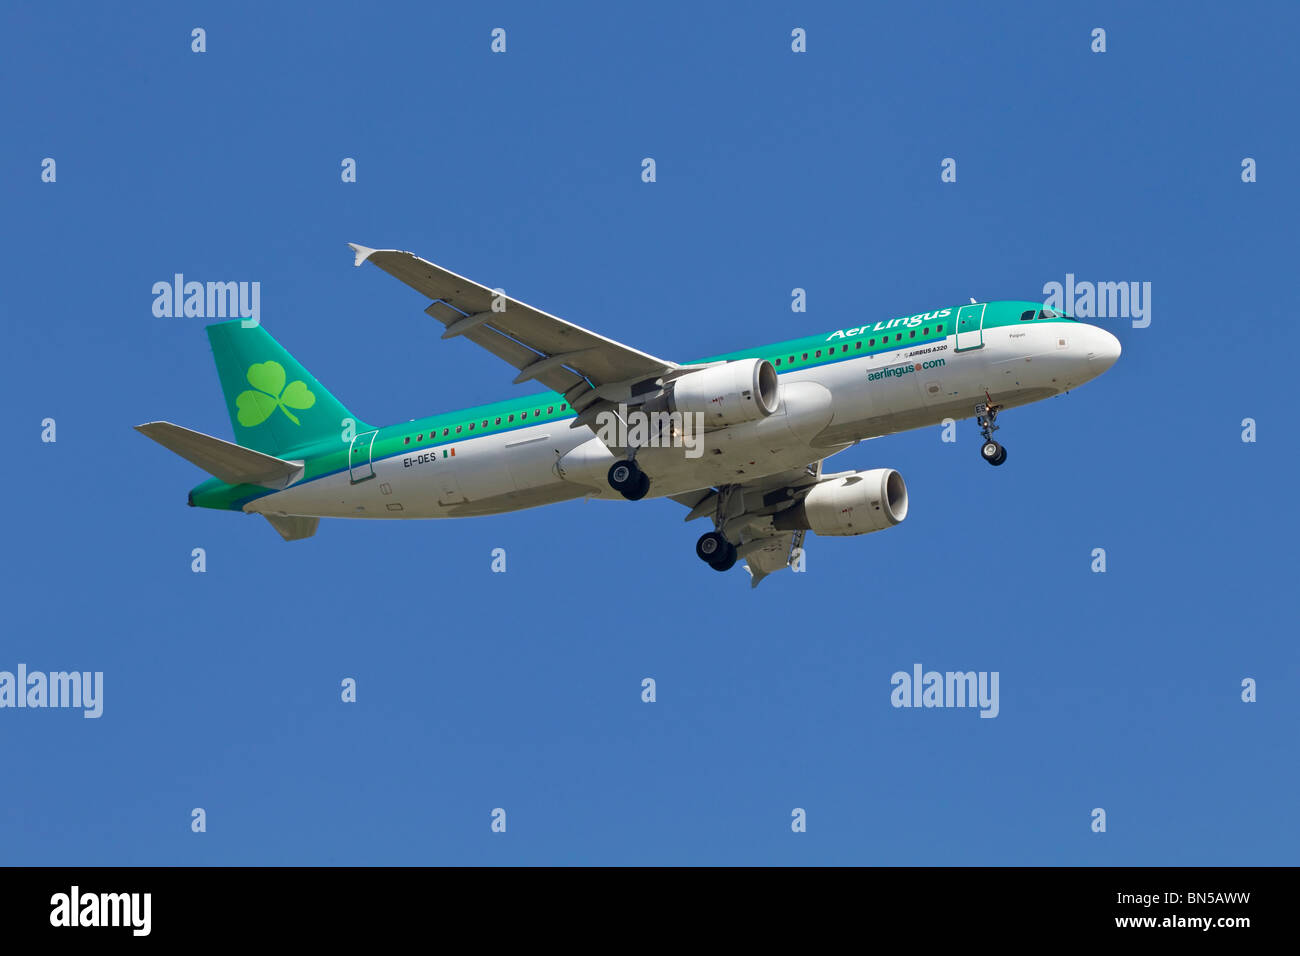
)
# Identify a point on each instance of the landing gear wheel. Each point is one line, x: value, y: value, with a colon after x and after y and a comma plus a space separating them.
x: 716, y: 551
x: 985, y: 416
x: 628, y: 480
x: 643, y: 486
x: 728, y: 560
x: 710, y: 547
x: 993, y: 453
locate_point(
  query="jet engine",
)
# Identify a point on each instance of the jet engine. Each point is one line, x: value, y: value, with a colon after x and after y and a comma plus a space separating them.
x: 729, y: 394
x: 858, y: 502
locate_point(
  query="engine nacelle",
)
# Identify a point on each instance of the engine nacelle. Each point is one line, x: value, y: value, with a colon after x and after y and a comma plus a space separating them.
x: 730, y: 394
x: 859, y: 503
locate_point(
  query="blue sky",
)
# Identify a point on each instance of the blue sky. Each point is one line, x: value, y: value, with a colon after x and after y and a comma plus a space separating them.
x: 521, y: 690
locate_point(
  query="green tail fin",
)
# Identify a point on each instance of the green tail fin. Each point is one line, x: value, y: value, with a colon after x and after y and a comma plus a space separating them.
x: 275, y: 404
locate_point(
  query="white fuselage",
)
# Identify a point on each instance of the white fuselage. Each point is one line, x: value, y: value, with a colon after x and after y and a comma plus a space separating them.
x: 824, y: 409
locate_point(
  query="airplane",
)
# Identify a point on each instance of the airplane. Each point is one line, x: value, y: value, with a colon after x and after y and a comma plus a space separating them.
x: 739, y: 438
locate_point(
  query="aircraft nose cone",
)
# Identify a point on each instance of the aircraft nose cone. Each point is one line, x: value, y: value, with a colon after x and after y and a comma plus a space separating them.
x: 1103, y: 350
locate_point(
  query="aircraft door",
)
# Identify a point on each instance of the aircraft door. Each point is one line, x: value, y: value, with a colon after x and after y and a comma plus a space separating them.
x: 970, y: 328
x: 360, y: 466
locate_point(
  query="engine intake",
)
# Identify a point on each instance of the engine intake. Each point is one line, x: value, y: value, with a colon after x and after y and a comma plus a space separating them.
x: 730, y: 394
x: 858, y: 503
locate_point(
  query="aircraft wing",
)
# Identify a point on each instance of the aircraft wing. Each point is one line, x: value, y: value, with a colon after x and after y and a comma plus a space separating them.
x: 562, y: 356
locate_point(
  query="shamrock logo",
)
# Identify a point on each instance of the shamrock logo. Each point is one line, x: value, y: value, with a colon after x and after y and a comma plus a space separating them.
x: 267, y: 378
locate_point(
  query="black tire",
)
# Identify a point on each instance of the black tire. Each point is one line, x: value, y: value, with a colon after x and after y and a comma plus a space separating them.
x: 711, y: 546
x: 624, y: 476
x: 990, y: 451
x: 1002, y: 456
x: 642, y: 486
x: 727, y: 561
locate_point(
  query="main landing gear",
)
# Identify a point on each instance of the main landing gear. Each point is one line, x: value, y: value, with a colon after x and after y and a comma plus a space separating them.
x: 716, y: 551
x: 629, y: 480
x: 985, y: 416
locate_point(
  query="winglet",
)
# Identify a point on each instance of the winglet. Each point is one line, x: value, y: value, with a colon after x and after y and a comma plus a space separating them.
x: 363, y: 252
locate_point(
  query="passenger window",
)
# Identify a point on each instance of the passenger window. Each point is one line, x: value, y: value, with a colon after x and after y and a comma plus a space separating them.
x: 791, y: 359
x: 550, y: 410
x: 927, y: 331
x: 512, y: 418
x: 898, y: 337
x: 420, y: 437
x: 471, y: 427
x: 872, y: 342
x: 805, y: 356
x: 523, y: 416
x: 859, y: 348
x: 457, y: 429
x: 912, y: 334
x: 563, y: 407
x: 819, y: 353
x: 778, y: 362
x: 407, y: 441
x: 445, y: 432
x: 941, y: 328
x: 498, y: 421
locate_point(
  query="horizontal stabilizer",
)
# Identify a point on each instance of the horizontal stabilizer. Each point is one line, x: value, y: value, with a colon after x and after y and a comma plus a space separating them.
x: 293, y: 527
x: 233, y: 464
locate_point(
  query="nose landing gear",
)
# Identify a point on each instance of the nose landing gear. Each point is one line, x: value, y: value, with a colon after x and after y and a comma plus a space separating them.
x: 985, y: 416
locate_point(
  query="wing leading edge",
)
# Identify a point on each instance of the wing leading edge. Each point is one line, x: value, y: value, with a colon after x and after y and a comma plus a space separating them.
x: 562, y: 356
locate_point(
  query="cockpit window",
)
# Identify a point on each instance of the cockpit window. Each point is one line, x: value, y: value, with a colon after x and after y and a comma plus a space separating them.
x: 1027, y: 316
x: 1049, y: 314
